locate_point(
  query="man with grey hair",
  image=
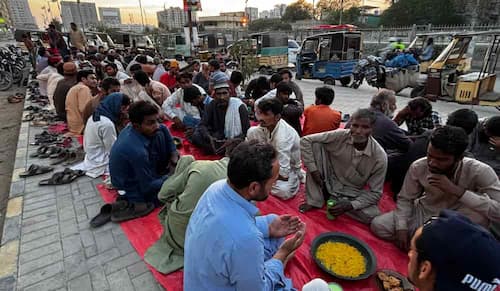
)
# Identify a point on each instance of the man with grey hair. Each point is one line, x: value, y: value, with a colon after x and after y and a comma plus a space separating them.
x: 340, y: 164
x: 385, y: 130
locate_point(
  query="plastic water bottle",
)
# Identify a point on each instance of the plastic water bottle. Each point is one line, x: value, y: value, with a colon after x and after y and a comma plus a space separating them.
x: 330, y: 204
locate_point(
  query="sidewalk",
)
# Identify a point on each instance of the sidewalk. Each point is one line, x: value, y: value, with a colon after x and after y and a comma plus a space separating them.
x: 47, y: 242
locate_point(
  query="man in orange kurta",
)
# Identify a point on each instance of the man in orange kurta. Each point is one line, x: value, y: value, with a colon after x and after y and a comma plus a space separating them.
x: 76, y: 100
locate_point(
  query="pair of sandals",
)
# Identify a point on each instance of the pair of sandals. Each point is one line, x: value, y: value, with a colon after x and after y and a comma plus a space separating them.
x: 17, y: 98
x: 120, y: 211
x: 35, y: 170
x: 60, y: 178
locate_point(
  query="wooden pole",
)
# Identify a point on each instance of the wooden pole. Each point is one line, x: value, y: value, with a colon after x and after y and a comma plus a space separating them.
x: 190, y: 24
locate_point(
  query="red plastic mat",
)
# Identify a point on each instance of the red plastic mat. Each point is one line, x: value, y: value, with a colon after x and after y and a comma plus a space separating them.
x: 145, y: 231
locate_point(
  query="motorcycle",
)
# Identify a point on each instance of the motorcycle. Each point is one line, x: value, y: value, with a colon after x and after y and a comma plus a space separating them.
x: 371, y: 70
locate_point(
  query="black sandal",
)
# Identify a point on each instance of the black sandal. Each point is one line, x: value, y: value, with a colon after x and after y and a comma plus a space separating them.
x: 34, y: 170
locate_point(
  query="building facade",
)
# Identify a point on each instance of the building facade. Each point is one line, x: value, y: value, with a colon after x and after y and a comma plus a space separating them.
x: 20, y: 14
x: 225, y: 20
x: 4, y: 14
x: 110, y: 16
x: 277, y: 12
x: 173, y: 18
x: 252, y: 12
x: 71, y: 12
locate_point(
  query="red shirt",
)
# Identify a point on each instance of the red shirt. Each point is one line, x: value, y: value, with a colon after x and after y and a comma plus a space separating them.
x: 168, y: 80
x: 320, y: 118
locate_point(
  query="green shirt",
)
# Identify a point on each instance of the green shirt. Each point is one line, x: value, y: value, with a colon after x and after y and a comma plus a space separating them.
x: 180, y: 193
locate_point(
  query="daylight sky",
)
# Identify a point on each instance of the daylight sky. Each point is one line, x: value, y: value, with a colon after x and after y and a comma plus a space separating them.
x: 131, y: 13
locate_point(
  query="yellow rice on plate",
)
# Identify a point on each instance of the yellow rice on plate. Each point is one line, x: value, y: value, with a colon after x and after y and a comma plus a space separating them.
x: 341, y: 259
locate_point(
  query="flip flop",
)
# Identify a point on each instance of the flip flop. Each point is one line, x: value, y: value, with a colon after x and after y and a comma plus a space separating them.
x: 14, y: 99
x: 41, y: 150
x: 65, y: 177
x: 63, y: 156
x: 75, y: 157
x: 133, y: 210
x: 35, y: 170
x: 51, y: 151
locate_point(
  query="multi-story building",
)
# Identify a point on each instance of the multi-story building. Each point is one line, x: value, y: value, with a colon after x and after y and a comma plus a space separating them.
x: 172, y: 18
x: 20, y: 14
x: 71, y: 12
x: 252, y: 13
x: 225, y: 20
x: 110, y: 16
x: 277, y: 12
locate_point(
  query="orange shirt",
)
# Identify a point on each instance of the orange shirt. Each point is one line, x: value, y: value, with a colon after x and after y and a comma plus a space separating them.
x: 320, y: 118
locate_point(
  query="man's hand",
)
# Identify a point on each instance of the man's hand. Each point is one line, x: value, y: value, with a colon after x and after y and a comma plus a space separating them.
x: 341, y: 207
x: 189, y: 132
x: 495, y: 142
x: 284, y: 225
x: 291, y: 244
x: 444, y: 184
x: 316, y: 176
x: 402, y: 239
x: 178, y: 123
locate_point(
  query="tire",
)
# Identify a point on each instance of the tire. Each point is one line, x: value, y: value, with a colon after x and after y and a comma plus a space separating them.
x: 17, y: 74
x: 329, y: 81
x: 345, y: 81
x: 6, y: 81
x: 417, y: 92
x: 355, y: 84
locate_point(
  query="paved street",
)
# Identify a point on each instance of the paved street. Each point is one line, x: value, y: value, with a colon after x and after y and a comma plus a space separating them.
x: 48, y: 245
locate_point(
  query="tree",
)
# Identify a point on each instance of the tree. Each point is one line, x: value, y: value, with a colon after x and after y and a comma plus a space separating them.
x: 243, y: 52
x: 268, y: 24
x: 350, y: 16
x: 299, y: 10
x: 409, y: 12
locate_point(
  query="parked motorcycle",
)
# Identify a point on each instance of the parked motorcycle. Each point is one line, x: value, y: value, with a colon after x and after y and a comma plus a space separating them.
x: 12, y: 65
x: 371, y: 70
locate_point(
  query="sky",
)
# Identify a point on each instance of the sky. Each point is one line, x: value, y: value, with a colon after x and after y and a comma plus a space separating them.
x: 131, y: 13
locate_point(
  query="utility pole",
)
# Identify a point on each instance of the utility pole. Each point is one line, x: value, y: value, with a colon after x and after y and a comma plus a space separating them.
x: 142, y: 14
x: 80, y: 14
x: 341, y: 10
x: 190, y: 25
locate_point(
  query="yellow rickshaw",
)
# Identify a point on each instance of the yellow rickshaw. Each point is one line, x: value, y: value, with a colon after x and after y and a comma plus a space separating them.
x: 446, y: 81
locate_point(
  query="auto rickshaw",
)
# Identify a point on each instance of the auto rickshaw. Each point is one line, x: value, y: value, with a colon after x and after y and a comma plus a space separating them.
x: 447, y: 82
x: 329, y: 56
x: 209, y: 44
x: 271, y: 50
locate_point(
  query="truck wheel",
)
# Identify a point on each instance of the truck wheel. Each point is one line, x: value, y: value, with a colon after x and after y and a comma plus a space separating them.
x: 329, y: 81
x: 345, y: 81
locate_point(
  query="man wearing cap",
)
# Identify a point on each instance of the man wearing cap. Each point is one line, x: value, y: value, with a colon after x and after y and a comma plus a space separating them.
x: 216, y: 76
x: 63, y: 87
x: 182, y: 113
x: 450, y: 252
x: 445, y: 179
x: 169, y: 78
x: 225, y: 118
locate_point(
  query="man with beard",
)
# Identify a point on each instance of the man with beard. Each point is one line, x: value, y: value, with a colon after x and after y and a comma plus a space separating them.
x: 385, y: 131
x: 276, y: 131
x: 485, y: 142
x: 450, y: 252
x: 225, y: 118
x: 140, y: 161
x: 250, y: 250
x: 183, y: 114
x: 76, y: 100
x: 445, y: 179
x: 340, y: 164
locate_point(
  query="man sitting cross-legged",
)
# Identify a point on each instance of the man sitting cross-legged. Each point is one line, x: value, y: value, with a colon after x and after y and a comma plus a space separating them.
x: 141, y: 159
x: 180, y: 193
x: 276, y: 131
x: 341, y: 163
x: 182, y: 113
x: 320, y: 117
x: 445, y: 179
x: 229, y: 246
x: 225, y: 118
x: 101, y: 132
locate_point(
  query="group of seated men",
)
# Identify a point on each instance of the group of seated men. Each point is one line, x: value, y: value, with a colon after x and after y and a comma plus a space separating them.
x: 453, y: 166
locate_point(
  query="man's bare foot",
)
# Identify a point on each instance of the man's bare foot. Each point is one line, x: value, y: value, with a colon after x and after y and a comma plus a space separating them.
x: 305, y: 207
